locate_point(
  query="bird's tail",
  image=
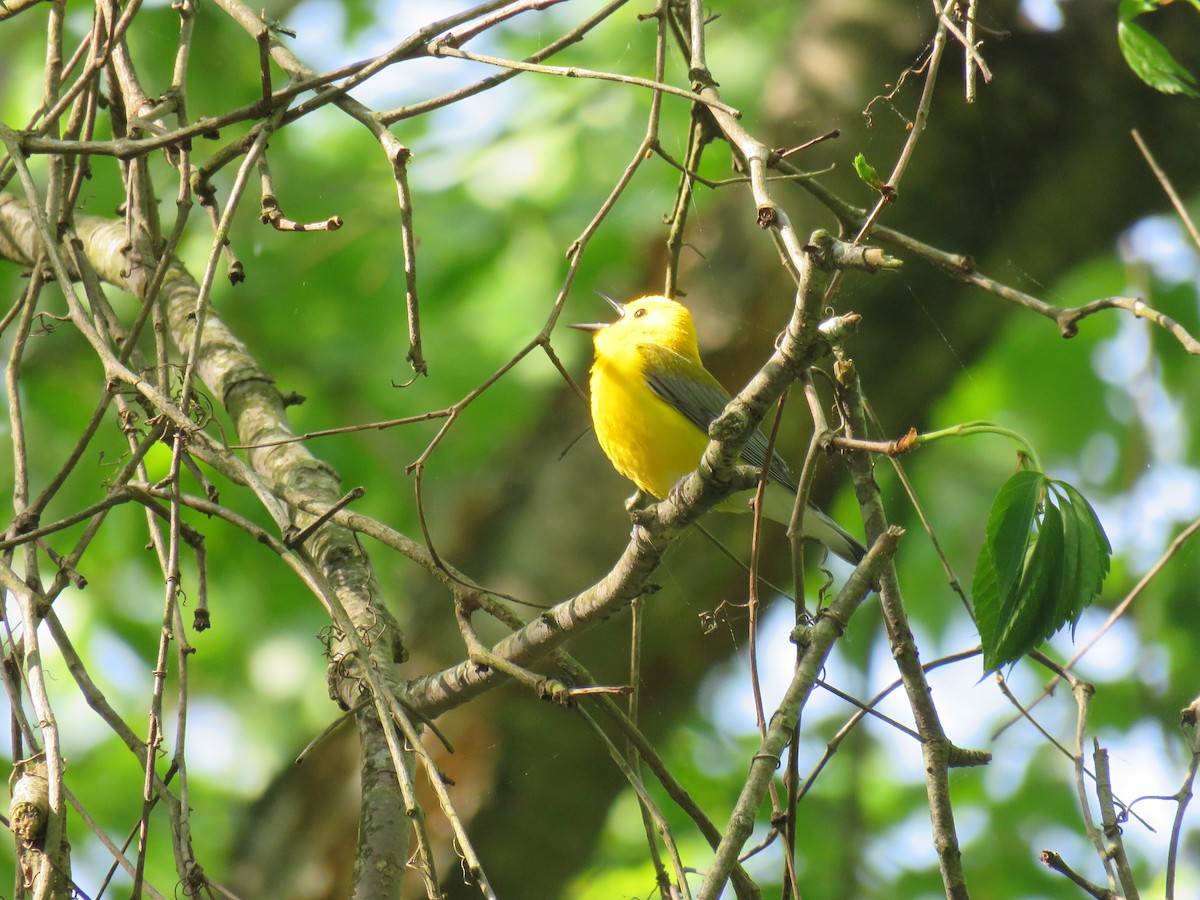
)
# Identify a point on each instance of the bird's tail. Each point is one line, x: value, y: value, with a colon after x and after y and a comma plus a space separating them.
x: 778, y: 507
x: 820, y: 527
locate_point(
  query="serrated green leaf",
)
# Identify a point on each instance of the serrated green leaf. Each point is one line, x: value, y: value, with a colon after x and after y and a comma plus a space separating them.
x: 866, y: 171
x: 1010, y: 524
x: 1095, y: 553
x: 1002, y: 559
x: 985, y: 596
x: 1043, y: 581
x: 1148, y: 58
x: 1059, y: 568
x: 1034, y: 601
x: 1073, y: 536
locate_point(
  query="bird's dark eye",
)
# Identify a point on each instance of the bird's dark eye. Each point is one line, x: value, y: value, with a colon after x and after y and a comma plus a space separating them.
x: 638, y: 313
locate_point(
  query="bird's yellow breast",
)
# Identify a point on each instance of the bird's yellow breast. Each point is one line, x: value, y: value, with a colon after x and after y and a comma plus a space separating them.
x: 647, y: 441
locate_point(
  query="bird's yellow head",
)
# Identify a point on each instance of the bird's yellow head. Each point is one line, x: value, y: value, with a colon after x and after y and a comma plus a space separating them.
x: 658, y: 321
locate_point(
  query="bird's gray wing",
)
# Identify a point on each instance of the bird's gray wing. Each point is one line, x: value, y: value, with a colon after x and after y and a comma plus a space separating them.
x: 702, y: 401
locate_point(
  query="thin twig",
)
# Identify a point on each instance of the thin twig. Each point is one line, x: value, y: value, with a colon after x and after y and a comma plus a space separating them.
x: 818, y: 641
x: 1168, y: 188
x: 1053, y: 861
x: 1183, y: 797
x: 1115, y: 846
x: 439, y: 48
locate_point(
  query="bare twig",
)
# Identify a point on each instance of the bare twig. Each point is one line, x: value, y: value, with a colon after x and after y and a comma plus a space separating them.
x: 439, y: 48
x: 1114, y: 848
x: 1168, y: 188
x: 1053, y: 861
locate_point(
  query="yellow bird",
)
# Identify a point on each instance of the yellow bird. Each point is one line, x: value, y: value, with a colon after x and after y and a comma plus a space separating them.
x: 652, y: 403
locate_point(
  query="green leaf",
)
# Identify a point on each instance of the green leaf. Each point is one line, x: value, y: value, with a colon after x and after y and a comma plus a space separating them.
x: 1073, y: 564
x: 1094, y: 553
x: 1130, y: 9
x: 1009, y: 526
x: 1034, y: 576
x: 986, y: 597
x: 867, y: 172
x: 1031, y: 621
x: 1147, y: 57
x: 1002, y: 558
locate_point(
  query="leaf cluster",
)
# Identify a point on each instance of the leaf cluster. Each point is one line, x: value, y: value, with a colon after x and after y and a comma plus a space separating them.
x: 1044, y: 561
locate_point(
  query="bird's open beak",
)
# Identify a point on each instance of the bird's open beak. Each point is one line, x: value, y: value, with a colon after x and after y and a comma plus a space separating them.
x: 600, y: 326
x: 620, y: 310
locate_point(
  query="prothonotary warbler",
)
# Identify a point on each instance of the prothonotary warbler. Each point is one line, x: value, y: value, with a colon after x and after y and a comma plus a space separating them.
x: 652, y: 403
